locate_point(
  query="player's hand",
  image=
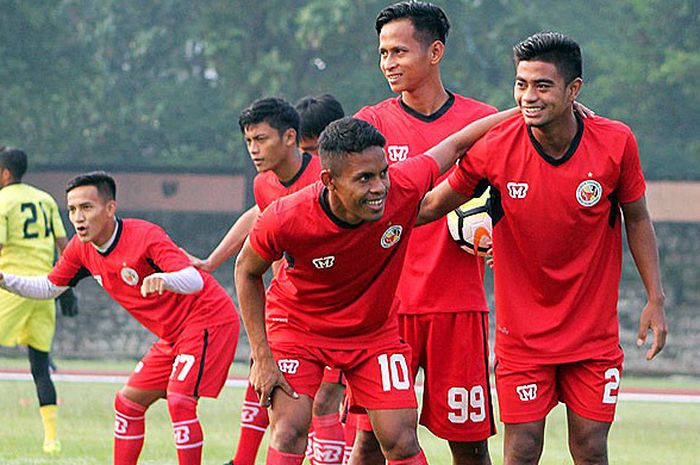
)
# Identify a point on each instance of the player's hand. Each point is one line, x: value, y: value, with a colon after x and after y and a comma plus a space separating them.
x: 489, y: 257
x: 152, y: 284
x: 583, y: 111
x: 265, y: 377
x: 653, y: 318
x: 68, y: 302
x: 198, y: 262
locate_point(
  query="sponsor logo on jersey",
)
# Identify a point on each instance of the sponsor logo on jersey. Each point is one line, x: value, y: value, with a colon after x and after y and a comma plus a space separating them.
x: 589, y: 192
x: 517, y: 190
x: 527, y: 392
x: 129, y: 276
x: 391, y: 236
x: 397, y: 152
x: 323, y: 263
x: 98, y: 278
x: 288, y: 365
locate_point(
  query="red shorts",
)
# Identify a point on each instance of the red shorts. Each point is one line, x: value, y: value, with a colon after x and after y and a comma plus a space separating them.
x: 528, y: 391
x: 196, y: 364
x: 453, y: 350
x: 379, y: 378
x: 333, y: 376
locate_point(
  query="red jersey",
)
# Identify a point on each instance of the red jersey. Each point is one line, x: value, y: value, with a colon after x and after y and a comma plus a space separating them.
x: 267, y: 187
x: 338, y: 287
x: 437, y: 276
x: 141, y: 248
x: 557, y: 235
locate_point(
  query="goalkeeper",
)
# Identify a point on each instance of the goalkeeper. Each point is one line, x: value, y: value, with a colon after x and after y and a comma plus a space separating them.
x: 30, y: 232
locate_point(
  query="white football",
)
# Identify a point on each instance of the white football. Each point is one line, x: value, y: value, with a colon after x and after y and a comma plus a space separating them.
x: 470, y: 225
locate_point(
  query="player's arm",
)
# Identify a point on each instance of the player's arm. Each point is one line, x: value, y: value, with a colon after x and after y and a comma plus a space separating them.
x: 31, y: 287
x: 449, y: 150
x: 185, y: 281
x: 265, y: 376
x: 231, y: 244
x: 438, y: 202
x: 61, y: 243
x: 642, y: 243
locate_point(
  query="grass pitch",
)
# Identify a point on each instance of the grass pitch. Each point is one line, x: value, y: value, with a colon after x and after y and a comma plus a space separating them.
x: 644, y: 432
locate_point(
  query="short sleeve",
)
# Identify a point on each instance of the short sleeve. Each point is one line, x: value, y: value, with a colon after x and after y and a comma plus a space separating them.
x: 162, y: 252
x: 367, y: 114
x: 471, y: 169
x: 69, y: 269
x: 265, y: 234
x: 56, y: 222
x: 421, y: 172
x: 632, y: 185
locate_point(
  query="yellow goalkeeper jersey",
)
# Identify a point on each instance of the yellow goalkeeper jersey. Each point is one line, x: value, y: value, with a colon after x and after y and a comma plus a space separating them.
x: 29, y: 223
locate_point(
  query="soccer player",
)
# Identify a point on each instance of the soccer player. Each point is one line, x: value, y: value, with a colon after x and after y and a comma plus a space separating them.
x: 30, y: 231
x: 441, y: 287
x: 344, y: 240
x: 148, y: 275
x: 560, y: 183
x: 273, y: 129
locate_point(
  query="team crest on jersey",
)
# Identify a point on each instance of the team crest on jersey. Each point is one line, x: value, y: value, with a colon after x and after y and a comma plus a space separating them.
x: 391, y: 236
x: 397, y: 152
x: 129, y: 276
x: 517, y: 190
x: 589, y: 192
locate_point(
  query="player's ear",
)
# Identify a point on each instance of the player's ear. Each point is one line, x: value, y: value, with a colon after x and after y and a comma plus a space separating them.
x: 289, y: 137
x: 327, y: 179
x: 111, y: 207
x: 574, y: 88
x: 437, y: 51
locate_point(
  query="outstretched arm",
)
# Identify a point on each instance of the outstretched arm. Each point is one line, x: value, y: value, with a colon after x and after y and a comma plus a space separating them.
x: 642, y: 243
x: 438, y: 202
x: 265, y: 376
x: 230, y: 244
x: 449, y: 150
x: 31, y: 287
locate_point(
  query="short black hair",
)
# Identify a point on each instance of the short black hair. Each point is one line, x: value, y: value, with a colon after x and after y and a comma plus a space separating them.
x: 316, y: 112
x: 104, y: 183
x: 276, y: 112
x: 552, y: 47
x: 429, y: 21
x: 14, y: 160
x: 346, y: 136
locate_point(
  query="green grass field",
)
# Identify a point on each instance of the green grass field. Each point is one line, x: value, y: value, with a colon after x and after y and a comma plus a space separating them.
x: 644, y: 433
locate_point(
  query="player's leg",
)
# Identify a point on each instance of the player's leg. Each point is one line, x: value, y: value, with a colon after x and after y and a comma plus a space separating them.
x: 523, y: 442
x: 457, y: 404
x: 147, y: 384
x: 526, y: 394
x: 37, y: 335
x: 202, y: 357
x: 254, y: 423
x: 327, y: 429
x: 589, y: 389
x: 396, y: 432
x: 366, y: 449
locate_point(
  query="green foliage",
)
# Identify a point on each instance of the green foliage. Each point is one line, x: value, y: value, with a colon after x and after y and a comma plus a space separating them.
x: 151, y: 84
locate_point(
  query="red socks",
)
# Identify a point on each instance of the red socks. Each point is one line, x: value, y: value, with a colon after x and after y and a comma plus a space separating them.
x: 129, y: 430
x: 186, y: 428
x: 418, y: 459
x: 328, y: 441
x: 254, y: 422
x: 275, y: 457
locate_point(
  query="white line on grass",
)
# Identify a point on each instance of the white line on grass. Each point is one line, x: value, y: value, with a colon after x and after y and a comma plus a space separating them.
x: 242, y: 383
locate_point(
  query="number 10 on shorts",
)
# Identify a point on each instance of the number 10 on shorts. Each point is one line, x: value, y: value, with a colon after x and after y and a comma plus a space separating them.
x: 394, y: 371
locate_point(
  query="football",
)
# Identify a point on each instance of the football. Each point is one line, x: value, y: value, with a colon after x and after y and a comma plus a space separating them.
x: 470, y: 225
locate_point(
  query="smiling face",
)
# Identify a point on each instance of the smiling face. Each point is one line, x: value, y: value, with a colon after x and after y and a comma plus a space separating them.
x: 358, y: 186
x: 266, y: 147
x: 542, y: 94
x: 92, y: 216
x: 407, y: 63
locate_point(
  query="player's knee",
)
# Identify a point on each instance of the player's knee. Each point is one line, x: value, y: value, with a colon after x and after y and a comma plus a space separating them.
x: 525, y: 447
x: 589, y: 449
x: 327, y: 399
x: 289, y: 435
x: 181, y: 407
x: 366, y: 449
x: 402, y: 444
x: 470, y: 453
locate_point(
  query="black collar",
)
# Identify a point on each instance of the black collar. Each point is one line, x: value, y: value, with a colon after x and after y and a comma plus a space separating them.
x: 433, y: 116
x: 120, y: 228
x: 325, y: 205
x: 569, y: 152
x: 305, y: 160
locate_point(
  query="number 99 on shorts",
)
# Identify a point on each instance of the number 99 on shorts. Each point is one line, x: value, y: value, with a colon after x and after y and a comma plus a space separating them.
x: 466, y: 404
